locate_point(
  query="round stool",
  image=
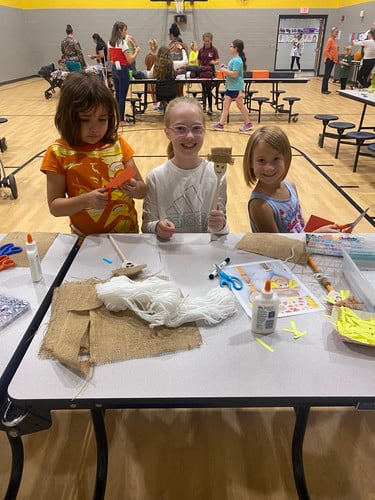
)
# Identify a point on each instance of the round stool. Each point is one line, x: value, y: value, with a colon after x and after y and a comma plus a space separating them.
x: 291, y: 101
x: 248, y: 96
x: 134, y: 102
x: 325, y: 120
x: 371, y: 147
x: 260, y: 101
x: 275, y: 99
x: 360, y: 138
x: 3, y: 120
x: 340, y: 128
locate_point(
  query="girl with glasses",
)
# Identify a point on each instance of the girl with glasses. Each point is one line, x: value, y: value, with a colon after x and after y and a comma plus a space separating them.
x: 181, y: 193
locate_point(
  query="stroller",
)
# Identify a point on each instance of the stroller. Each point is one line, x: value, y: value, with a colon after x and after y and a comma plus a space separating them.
x: 53, y: 76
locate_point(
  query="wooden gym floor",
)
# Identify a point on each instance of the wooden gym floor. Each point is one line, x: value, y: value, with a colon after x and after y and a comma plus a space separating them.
x: 229, y: 454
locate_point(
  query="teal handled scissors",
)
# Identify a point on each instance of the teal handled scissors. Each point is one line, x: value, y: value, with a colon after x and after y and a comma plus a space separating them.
x: 9, y: 249
x: 227, y: 280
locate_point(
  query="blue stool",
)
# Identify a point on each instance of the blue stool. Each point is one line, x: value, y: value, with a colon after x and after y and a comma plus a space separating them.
x: 325, y: 120
x: 260, y: 101
x: 291, y: 101
x: 360, y: 138
x: 340, y: 127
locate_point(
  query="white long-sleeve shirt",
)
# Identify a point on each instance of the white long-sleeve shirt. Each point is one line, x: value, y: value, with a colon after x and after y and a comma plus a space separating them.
x: 184, y: 197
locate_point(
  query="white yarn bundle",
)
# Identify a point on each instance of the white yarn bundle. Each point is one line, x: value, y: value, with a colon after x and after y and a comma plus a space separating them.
x: 159, y: 302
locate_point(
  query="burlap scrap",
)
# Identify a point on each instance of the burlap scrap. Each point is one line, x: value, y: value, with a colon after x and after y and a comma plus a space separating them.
x: 82, y: 332
x: 43, y: 241
x: 274, y: 246
x: 129, y: 271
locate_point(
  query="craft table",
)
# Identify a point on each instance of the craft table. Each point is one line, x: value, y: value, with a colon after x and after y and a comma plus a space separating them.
x: 364, y: 96
x: 16, y: 337
x: 229, y: 369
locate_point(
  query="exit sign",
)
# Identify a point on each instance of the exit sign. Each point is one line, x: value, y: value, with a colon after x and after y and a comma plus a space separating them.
x: 304, y: 10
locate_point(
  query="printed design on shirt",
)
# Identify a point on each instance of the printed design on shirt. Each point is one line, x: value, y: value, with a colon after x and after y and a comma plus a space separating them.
x: 293, y: 219
x: 182, y: 211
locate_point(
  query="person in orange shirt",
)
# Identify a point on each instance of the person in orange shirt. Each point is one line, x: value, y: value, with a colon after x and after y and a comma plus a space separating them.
x: 89, y: 154
x: 331, y: 56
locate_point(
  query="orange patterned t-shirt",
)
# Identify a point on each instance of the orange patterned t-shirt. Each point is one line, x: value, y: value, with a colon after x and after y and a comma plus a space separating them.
x: 90, y: 167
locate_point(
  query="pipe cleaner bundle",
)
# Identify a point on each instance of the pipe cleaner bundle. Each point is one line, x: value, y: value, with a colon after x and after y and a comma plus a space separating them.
x: 159, y: 302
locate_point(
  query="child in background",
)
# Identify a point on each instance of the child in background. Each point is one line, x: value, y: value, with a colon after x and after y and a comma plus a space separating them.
x: 149, y: 63
x: 345, y: 64
x: 87, y: 156
x: 234, y: 84
x: 273, y: 206
x: 193, y: 54
x: 181, y: 192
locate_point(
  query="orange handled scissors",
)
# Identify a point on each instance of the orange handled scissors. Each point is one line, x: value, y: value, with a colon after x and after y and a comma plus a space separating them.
x: 348, y: 228
x: 6, y: 262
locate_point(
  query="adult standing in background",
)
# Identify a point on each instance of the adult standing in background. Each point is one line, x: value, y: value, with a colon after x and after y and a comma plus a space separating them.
x: 296, y: 52
x: 121, y: 59
x: 331, y: 56
x: 208, y: 58
x: 175, y: 36
x: 71, y: 49
x: 100, y: 49
x: 368, y: 61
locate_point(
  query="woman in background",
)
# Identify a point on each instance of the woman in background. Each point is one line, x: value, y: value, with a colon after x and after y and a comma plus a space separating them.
x: 100, y: 49
x: 71, y: 49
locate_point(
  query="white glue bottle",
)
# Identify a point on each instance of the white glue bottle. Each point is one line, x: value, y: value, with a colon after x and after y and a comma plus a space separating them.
x: 264, y: 311
x: 34, y: 260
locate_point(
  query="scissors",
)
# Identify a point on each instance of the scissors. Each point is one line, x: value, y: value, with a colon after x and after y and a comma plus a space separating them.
x: 6, y: 262
x: 227, y: 280
x: 348, y: 228
x: 9, y: 249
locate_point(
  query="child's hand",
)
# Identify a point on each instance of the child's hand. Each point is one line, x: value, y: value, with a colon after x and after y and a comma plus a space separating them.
x: 165, y: 229
x: 329, y: 228
x: 134, y: 188
x: 98, y: 198
x: 216, y: 220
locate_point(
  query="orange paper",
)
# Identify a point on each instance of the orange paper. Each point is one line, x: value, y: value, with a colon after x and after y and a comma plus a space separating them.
x: 123, y: 177
x: 316, y: 222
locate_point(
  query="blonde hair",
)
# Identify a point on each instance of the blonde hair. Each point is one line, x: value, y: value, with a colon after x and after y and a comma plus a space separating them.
x: 153, y: 44
x: 192, y: 44
x: 275, y: 138
x: 348, y: 48
x: 171, y: 107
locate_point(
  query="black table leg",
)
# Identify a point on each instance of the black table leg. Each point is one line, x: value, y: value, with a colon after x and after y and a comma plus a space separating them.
x: 97, y: 417
x: 17, y: 466
x: 302, y: 414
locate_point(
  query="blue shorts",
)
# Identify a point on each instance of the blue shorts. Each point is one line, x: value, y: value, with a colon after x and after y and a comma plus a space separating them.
x: 233, y: 94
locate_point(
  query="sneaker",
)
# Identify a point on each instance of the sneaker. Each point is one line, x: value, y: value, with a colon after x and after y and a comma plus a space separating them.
x: 247, y: 127
x: 218, y: 126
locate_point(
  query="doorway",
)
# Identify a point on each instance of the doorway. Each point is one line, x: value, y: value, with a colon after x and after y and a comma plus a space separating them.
x: 312, y: 29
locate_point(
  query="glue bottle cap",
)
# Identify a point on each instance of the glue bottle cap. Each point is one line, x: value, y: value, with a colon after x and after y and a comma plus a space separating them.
x: 29, y: 238
x: 267, y: 286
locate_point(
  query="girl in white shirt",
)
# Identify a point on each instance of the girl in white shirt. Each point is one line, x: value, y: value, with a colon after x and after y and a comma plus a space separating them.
x: 181, y: 192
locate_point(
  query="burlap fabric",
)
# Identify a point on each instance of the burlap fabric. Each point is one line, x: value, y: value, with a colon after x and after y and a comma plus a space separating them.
x: 43, y: 241
x: 275, y: 246
x: 82, y: 332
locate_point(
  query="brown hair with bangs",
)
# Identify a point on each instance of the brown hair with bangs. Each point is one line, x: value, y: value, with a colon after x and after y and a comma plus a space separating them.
x: 83, y: 92
x: 275, y: 138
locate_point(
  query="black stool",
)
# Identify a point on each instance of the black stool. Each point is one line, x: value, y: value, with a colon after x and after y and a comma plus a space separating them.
x: 220, y: 100
x: 360, y: 138
x: 194, y: 93
x: 325, y: 119
x: 248, y: 96
x: 134, y: 102
x: 275, y: 99
x: 3, y: 141
x: 140, y: 107
x: 340, y: 127
x: 291, y: 101
x: 260, y: 101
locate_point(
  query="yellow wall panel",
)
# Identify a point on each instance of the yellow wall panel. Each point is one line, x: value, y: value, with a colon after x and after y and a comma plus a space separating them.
x: 210, y: 4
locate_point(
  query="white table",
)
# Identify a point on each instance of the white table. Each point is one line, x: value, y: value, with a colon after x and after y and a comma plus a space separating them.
x: 16, y: 337
x: 230, y: 369
x: 365, y: 97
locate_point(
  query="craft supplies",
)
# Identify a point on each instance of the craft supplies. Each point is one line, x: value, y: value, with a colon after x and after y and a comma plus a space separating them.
x: 125, y: 262
x: 9, y: 249
x: 229, y: 281
x: 34, y: 260
x: 159, y: 302
x: 6, y: 262
x: 214, y: 273
x: 335, y: 243
x: 359, y: 271
x: 10, y: 309
x: 354, y: 326
x: 265, y: 310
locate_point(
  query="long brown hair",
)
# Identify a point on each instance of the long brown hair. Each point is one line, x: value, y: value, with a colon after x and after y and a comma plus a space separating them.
x: 116, y: 36
x: 163, y: 68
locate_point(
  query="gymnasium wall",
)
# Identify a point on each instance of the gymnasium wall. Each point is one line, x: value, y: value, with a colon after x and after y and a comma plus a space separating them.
x: 30, y: 34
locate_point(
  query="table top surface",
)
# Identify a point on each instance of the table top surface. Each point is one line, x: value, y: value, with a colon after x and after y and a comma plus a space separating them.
x: 17, y: 282
x: 361, y: 95
x: 222, y: 80
x: 230, y: 368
